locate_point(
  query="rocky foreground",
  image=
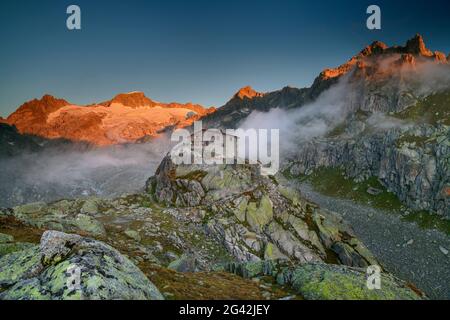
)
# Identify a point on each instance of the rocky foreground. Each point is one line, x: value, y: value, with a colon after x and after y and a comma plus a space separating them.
x: 198, y: 232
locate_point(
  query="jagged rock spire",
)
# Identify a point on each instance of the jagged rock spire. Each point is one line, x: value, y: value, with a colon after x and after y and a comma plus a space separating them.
x: 247, y: 92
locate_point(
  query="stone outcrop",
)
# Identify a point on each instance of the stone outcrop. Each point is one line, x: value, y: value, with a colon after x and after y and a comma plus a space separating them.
x: 411, y: 162
x: 255, y: 216
x: 247, y: 93
x: 45, y: 272
x: 316, y: 281
x: 69, y: 216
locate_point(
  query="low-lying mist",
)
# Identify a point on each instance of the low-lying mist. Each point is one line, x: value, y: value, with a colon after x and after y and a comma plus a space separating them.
x: 58, y: 173
x: 305, y: 123
x: 343, y: 99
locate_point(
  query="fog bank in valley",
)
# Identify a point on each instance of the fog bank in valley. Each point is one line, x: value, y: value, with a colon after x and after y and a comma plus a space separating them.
x: 58, y: 173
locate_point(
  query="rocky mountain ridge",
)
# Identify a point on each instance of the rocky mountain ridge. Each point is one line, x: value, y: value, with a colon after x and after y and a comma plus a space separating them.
x: 126, y: 118
x: 378, y: 79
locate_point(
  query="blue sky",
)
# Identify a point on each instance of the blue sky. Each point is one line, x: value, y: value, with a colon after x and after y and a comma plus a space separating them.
x: 199, y: 51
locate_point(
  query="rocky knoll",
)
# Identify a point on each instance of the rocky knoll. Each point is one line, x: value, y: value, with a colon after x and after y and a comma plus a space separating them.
x: 255, y: 216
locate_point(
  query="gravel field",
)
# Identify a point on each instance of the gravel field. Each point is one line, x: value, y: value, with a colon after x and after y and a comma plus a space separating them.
x: 414, y: 254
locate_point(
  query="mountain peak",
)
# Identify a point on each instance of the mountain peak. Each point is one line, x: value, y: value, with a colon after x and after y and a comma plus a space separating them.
x: 46, y: 104
x: 247, y: 92
x: 35, y: 112
x: 414, y: 48
x: 377, y: 47
x: 49, y: 99
x: 417, y: 46
x: 132, y: 99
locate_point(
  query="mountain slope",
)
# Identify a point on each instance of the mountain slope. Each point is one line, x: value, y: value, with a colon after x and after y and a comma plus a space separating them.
x: 12, y: 142
x: 383, y: 114
x: 394, y: 125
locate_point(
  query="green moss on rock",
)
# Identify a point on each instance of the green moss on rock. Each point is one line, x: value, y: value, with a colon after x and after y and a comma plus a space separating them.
x: 259, y: 217
x: 331, y: 282
x: 89, y: 225
x: 318, y: 281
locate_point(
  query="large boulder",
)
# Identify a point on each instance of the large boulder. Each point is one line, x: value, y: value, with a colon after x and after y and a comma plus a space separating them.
x: 68, y: 266
x: 318, y: 281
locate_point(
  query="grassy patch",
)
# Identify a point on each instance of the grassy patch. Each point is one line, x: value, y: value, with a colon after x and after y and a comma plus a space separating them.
x: 426, y: 220
x: 433, y: 109
x: 332, y: 182
x: 20, y: 231
x: 212, y: 285
x: 417, y: 140
x: 337, y: 131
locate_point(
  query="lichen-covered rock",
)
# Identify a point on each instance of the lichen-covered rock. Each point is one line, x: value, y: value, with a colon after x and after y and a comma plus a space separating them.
x: 91, y: 206
x: 185, y: 263
x: 66, y: 215
x: 255, y: 216
x: 336, y: 235
x: 318, y: 281
x: 259, y: 216
x: 6, y: 248
x: 330, y: 282
x: 133, y: 234
x: 49, y: 271
x: 273, y: 253
x: 88, y: 224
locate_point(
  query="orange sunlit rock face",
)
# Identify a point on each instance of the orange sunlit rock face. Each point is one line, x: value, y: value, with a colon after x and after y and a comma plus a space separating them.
x: 406, y: 56
x: 247, y: 92
x: 126, y: 118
